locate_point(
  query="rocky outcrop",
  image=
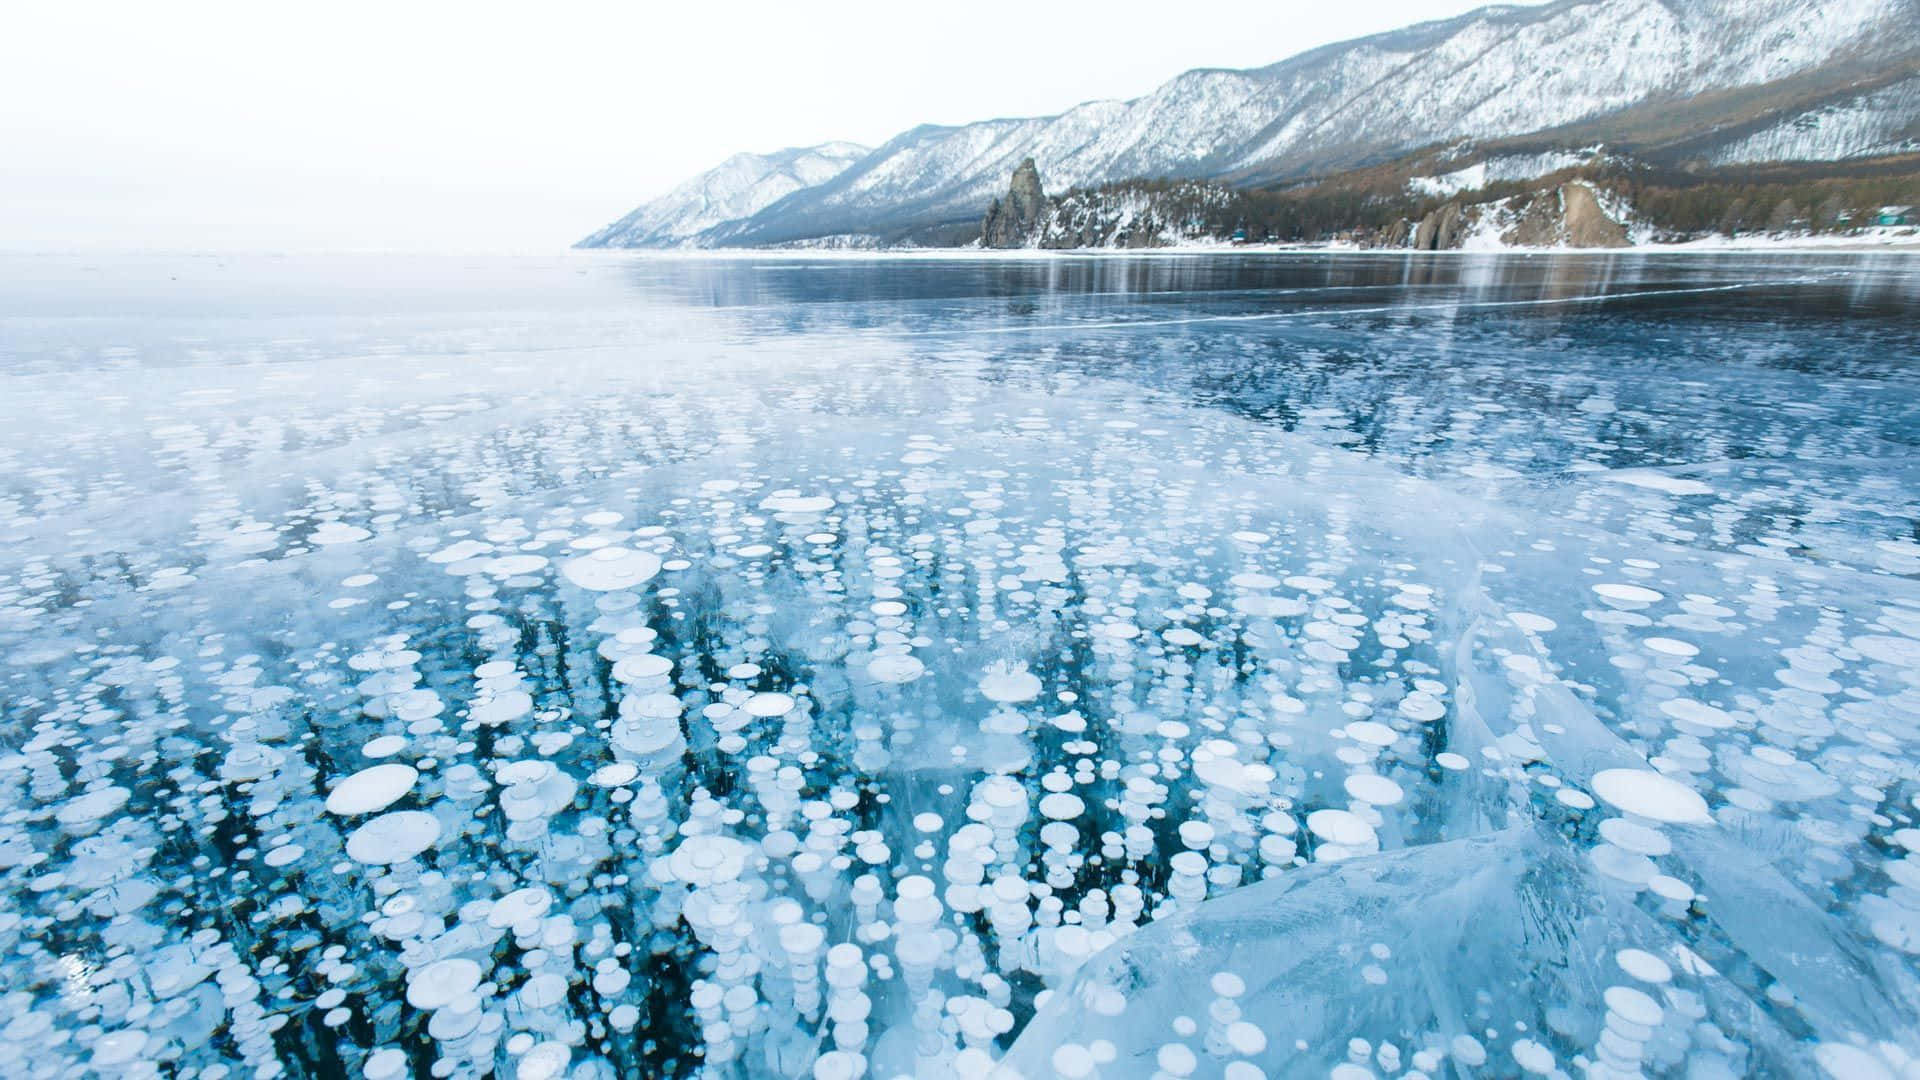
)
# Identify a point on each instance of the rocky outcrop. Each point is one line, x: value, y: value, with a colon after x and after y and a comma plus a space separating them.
x: 1441, y: 230
x: 1587, y: 222
x: 1129, y: 214
x: 1016, y: 221
x: 1570, y: 215
x: 1158, y: 213
x: 1139, y: 214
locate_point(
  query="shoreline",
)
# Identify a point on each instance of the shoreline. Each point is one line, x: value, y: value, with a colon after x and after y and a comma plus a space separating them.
x: 1905, y: 243
x: 1908, y: 243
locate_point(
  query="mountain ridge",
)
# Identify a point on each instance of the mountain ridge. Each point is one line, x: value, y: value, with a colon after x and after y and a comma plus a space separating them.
x: 738, y: 187
x: 1501, y: 72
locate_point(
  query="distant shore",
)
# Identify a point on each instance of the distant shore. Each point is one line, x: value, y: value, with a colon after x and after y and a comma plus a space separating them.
x: 1902, y: 242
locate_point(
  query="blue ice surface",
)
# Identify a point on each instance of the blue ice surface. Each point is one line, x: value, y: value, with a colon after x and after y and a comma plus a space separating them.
x: 794, y: 665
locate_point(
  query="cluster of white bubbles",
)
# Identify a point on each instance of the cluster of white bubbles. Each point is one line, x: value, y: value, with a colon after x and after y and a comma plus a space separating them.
x: 901, y: 718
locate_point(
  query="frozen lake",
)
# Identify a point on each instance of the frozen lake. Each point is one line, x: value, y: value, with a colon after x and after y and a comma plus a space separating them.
x: 1167, y: 666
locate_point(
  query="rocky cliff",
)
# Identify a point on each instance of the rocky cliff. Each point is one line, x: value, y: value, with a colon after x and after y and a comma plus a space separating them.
x: 1129, y: 214
x: 1017, y: 220
x: 1573, y: 214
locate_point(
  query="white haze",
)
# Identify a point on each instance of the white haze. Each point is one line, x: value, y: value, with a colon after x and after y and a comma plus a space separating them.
x: 482, y: 126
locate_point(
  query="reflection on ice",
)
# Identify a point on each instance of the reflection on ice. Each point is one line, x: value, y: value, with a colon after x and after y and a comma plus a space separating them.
x: 796, y: 678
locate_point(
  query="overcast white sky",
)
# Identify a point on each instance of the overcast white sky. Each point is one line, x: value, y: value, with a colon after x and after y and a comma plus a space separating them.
x: 423, y: 125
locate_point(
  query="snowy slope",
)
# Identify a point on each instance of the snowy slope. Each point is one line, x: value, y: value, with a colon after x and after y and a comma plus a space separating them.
x: 738, y: 187
x: 1496, y: 72
x: 1501, y: 167
x: 928, y: 172
x: 1501, y: 72
x: 1883, y: 121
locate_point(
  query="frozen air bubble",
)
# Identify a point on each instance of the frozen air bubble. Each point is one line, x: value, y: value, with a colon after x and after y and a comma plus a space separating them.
x: 118, y: 1047
x: 336, y: 532
x: 1372, y: 733
x: 1009, y: 683
x: 544, y: 1062
x: 610, y: 568
x: 384, y: 746
x: 1626, y: 597
x: 516, y: 565
x: 374, y: 788
x: 1901, y: 652
x: 1670, y: 888
x: 1622, y: 865
x: 769, y: 705
x: 1533, y: 1057
x: 641, y: 668
x: 88, y: 808
x: 1468, y: 1051
x: 1633, y: 1006
x: 796, y: 504
x: 617, y: 774
x: 1062, y: 806
x: 501, y: 708
x: 1649, y: 795
x: 1635, y: 837
x: 442, y: 982
x: 895, y: 668
x: 705, y: 860
x: 1421, y: 708
x: 1574, y: 798
x: 1698, y: 713
x: 385, y: 1064
x: 1374, y: 789
x: 1341, y: 827
x: 1644, y: 966
x: 519, y: 907
x: 839, y: 1065
x: 392, y: 838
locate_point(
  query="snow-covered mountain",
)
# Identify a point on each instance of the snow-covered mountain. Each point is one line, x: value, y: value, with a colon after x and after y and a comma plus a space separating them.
x: 1884, y: 120
x: 1498, y: 72
x: 737, y: 188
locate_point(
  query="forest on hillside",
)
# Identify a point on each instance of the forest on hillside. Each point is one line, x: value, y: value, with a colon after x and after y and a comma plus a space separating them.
x: 1371, y: 207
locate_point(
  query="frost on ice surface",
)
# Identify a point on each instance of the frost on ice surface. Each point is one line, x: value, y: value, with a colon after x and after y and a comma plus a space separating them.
x: 834, y: 669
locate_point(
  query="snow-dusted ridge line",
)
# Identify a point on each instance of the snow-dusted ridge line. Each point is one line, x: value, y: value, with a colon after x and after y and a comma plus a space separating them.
x: 738, y: 187
x: 1493, y: 73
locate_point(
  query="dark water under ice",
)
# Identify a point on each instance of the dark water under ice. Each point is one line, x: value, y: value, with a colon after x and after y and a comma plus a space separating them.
x: 1226, y: 666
